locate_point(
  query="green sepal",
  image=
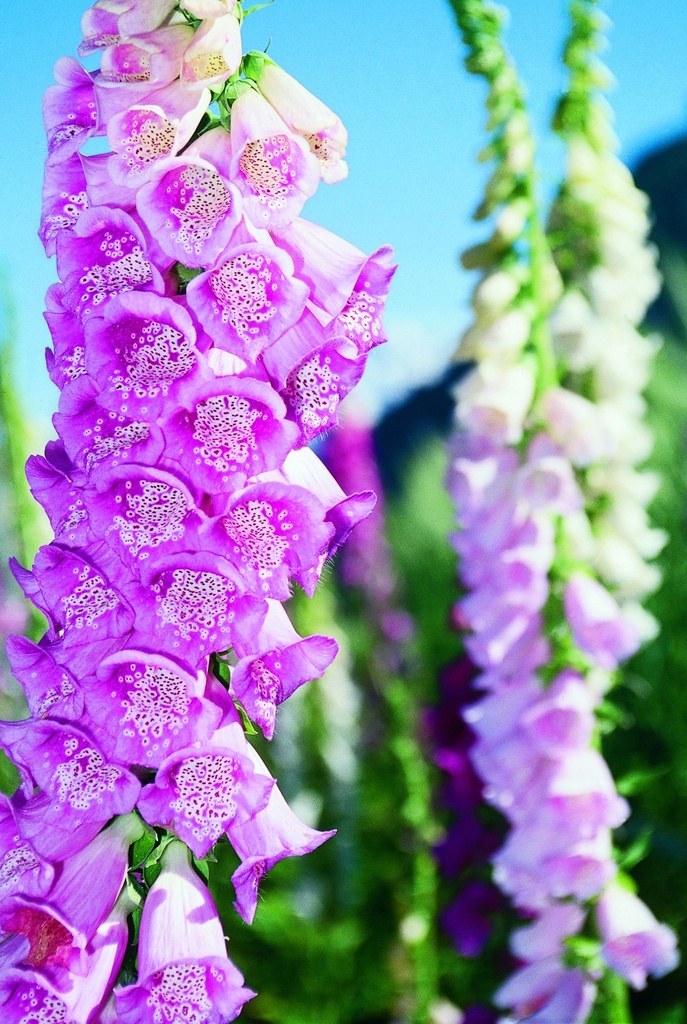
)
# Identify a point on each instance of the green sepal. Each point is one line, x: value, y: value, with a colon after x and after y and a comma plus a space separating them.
x: 142, y: 848
x: 136, y: 914
x: 253, y: 64
x: 202, y: 866
x: 248, y: 726
x: 134, y: 890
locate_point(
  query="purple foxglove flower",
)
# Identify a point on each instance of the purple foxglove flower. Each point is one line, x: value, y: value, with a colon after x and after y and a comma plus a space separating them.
x: 144, y: 514
x: 28, y: 996
x: 150, y: 58
x: 564, y: 718
x: 214, y: 54
x: 201, y: 790
x: 21, y: 868
x: 599, y: 627
x: 97, y: 440
x: 194, y: 605
x: 273, y: 169
x: 64, y: 200
x: 61, y: 500
x: 49, y: 687
x: 145, y: 134
x: 135, y: 16
x: 548, y: 993
x: 468, y: 919
x: 60, y: 924
x: 104, y: 256
x: 66, y: 361
x: 100, y: 188
x: 314, y: 390
x: 104, y: 955
x: 81, y: 785
x: 280, y: 662
x: 184, y: 972
x: 69, y: 110
x: 634, y: 944
x: 189, y: 209
x: 577, y: 425
x: 360, y: 321
x: 141, y: 352
x: 268, y: 837
x: 232, y: 429
x: 330, y: 266
x: 271, y: 532
x: 249, y: 298
x: 544, y: 937
x: 144, y: 706
x: 307, y: 116
x: 99, y: 28
x: 78, y: 601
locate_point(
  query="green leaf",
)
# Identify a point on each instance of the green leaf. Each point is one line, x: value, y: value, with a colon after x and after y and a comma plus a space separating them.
x: 635, y: 781
x: 9, y: 775
x: 636, y: 851
x: 152, y: 872
x: 248, y: 726
x: 202, y: 867
x: 136, y: 922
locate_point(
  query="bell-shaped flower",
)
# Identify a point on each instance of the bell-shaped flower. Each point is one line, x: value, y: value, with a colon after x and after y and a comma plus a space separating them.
x: 144, y: 514
x: 105, y: 256
x: 577, y: 425
x: 201, y: 790
x: 598, y: 625
x: 214, y: 53
x: 193, y: 604
x: 140, y: 352
x: 135, y: 16
x: 27, y: 995
x: 22, y: 869
x: 100, y: 28
x: 64, y: 200
x: 563, y: 719
x: 146, y: 59
x: 145, y: 706
x: 545, y: 936
x: 232, y: 429
x: 69, y: 109
x: 190, y: 210
x: 143, y: 135
x: 273, y: 169
x: 548, y: 993
x: 60, y: 924
x: 104, y: 955
x: 495, y: 402
x: 280, y: 662
x: 360, y: 321
x: 271, y: 532
x: 634, y: 944
x: 49, y: 687
x: 307, y: 116
x: 183, y: 969
x: 81, y: 786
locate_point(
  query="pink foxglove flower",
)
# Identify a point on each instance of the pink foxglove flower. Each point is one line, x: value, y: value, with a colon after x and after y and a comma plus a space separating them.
x: 182, y: 962
x: 634, y: 944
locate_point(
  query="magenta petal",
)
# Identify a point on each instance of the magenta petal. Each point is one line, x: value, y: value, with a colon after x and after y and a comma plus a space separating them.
x: 270, y: 532
x: 190, y: 210
x: 360, y: 321
x: 68, y: 766
x: 194, y: 605
x: 64, y: 200
x: 140, y: 352
x: 69, y: 110
x: 261, y: 683
x: 315, y: 389
x: 248, y: 299
x: 24, y: 994
x: 22, y: 869
x: 50, y: 689
x: 146, y: 706
x: 234, y: 429
x: 201, y: 790
x: 61, y: 500
x: 105, y: 256
x: 144, y: 514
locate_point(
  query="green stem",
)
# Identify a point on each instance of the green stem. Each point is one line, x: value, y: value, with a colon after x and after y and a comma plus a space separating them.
x: 417, y: 815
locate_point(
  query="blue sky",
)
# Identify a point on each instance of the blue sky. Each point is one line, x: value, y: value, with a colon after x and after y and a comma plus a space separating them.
x: 393, y: 72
